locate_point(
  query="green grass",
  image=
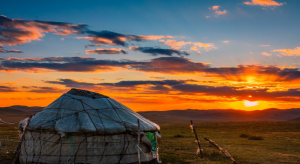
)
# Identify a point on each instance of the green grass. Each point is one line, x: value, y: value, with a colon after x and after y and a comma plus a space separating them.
x: 280, y: 144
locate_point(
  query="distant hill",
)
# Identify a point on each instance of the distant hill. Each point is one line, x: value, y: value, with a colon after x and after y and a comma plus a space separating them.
x: 17, y: 113
x: 296, y: 120
x: 220, y: 115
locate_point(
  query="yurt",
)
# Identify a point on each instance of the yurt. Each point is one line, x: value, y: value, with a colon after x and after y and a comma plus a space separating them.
x: 86, y: 127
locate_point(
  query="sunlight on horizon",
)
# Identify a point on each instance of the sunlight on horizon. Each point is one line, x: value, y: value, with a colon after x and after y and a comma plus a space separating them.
x: 249, y: 103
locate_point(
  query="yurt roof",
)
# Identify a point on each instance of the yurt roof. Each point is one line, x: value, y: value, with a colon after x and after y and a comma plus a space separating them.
x: 81, y: 111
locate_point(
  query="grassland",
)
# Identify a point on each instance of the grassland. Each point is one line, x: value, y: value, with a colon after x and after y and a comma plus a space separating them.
x: 280, y: 142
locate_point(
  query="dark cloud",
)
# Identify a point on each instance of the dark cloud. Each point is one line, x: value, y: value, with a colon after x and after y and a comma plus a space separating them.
x: 73, y: 84
x: 48, y: 90
x: 9, y: 51
x: 112, y: 38
x: 7, y: 89
x: 159, y: 51
x: 135, y: 83
x: 171, y: 65
x: 106, y: 51
x: 64, y: 64
x: 165, y: 65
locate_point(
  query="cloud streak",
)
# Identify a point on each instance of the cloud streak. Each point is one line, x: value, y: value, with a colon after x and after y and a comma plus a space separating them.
x: 106, y: 51
x: 159, y: 51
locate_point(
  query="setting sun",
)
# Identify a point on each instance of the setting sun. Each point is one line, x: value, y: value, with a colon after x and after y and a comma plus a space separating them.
x: 249, y: 103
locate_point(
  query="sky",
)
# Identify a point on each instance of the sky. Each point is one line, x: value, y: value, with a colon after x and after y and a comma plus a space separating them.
x: 153, y: 55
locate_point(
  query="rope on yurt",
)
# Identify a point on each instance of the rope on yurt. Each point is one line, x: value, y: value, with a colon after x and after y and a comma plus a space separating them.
x: 125, y: 134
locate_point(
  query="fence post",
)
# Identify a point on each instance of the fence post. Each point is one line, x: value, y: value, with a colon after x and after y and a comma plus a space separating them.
x: 197, y: 139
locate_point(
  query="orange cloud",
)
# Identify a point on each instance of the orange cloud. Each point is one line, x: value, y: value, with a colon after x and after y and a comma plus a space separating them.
x: 194, y: 45
x: 195, y: 49
x: 154, y: 37
x: 217, y: 11
x: 265, y: 3
x: 226, y: 41
x: 266, y: 54
x: 215, y: 7
x: 289, y: 52
x: 174, y: 44
x: 221, y: 12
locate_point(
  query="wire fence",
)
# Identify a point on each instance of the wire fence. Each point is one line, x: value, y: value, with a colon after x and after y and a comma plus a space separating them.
x: 8, y: 149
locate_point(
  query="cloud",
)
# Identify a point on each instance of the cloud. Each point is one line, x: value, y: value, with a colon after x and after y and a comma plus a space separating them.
x: 159, y: 51
x: 170, y: 65
x: 266, y: 54
x: 265, y: 3
x: 215, y: 7
x: 265, y: 45
x: 7, y: 89
x: 226, y: 41
x: 174, y: 44
x: 221, y: 12
x: 19, y: 31
x: 113, y: 38
x: 48, y: 90
x: 217, y: 11
x: 9, y: 51
x: 289, y: 52
x: 154, y: 77
x: 106, y: 51
x: 165, y: 65
x: 184, y: 87
x: 63, y: 64
x: 195, y: 46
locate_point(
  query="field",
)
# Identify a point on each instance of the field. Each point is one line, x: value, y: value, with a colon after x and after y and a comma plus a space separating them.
x: 270, y: 142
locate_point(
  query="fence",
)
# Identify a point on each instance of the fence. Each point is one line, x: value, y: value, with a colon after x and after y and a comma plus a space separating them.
x: 8, y: 149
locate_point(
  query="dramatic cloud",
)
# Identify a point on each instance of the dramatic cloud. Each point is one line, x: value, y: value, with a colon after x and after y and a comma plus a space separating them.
x: 7, y: 89
x: 159, y: 51
x: 265, y: 3
x: 63, y: 64
x: 266, y: 54
x: 106, y: 51
x: 289, y: 52
x: 18, y: 31
x: 182, y: 87
x: 165, y: 65
x: 113, y: 38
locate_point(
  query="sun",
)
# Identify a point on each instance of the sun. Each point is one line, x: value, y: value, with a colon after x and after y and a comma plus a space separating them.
x: 249, y: 103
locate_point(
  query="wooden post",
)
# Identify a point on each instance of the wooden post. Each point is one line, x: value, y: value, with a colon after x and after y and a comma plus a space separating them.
x: 23, y: 136
x: 138, y: 149
x: 221, y: 150
x: 194, y: 130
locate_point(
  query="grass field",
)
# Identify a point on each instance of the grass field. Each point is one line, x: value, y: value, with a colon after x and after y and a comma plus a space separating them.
x: 270, y: 142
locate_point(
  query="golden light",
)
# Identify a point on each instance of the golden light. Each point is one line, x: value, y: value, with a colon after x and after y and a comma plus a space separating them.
x: 249, y: 103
